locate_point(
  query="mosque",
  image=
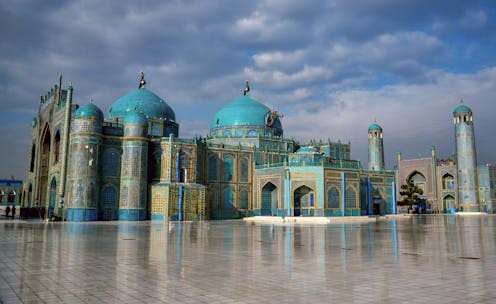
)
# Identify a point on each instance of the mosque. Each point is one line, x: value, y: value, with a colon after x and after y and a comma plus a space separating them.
x: 131, y: 164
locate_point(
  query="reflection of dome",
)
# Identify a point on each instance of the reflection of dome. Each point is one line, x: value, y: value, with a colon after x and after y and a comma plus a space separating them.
x: 245, y: 111
x: 89, y: 110
x: 308, y: 149
x: 461, y: 108
x: 144, y: 101
x: 136, y: 119
x: 375, y: 127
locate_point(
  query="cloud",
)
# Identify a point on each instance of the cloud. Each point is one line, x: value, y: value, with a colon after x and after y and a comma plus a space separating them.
x: 413, y: 116
x: 318, y: 58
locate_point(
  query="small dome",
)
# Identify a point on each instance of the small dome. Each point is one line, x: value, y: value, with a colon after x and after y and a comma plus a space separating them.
x: 243, y: 111
x: 144, y: 101
x: 89, y: 110
x: 462, y: 108
x: 135, y: 118
x: 308, y: 149
x: 375, y: 127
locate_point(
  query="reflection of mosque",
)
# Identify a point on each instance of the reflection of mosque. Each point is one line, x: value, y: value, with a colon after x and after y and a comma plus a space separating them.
x: 457, y: 183
x: 132, y: 165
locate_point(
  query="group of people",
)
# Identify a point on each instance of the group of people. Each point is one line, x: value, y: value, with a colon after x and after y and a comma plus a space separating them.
x: 9, y: 210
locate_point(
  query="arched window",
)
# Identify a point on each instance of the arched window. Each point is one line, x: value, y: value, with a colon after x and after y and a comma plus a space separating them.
x: 351, y: 197
x: 243, y: 175
x: 244, y: 199
x: 448, y: 182
x: 228, y: 198
x: 212, y: 167
x: 333, y: 198
x: 33, y: 155
x: 109, y: 197
x: 2, y: 194
x: 57, y: 147
x: 184, y: 164
x: 30, y: 193
x: 228, y: 168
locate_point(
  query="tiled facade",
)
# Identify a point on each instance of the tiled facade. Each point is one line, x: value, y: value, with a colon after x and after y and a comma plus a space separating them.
x: 132, y: 165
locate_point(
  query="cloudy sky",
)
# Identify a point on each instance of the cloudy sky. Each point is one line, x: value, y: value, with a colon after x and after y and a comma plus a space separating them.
x: 331, y: 67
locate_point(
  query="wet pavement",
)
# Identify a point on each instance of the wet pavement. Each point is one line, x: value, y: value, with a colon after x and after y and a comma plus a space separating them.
x: 423, y: 259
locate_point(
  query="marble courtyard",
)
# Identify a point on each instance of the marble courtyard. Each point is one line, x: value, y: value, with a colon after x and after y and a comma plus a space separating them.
x: 420, y: 259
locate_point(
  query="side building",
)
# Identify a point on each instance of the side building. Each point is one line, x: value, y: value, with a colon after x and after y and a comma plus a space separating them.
x: 458, y: 183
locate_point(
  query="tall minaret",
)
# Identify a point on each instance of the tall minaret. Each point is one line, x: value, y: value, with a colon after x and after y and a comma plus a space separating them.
x: 376, y: 148
x: 468, y: 195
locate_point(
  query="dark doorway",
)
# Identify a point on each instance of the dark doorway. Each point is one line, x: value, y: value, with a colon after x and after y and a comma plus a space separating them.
x: 269, y: 200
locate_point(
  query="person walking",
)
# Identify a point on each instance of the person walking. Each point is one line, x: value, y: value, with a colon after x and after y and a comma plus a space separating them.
x: 7, y: 211
x: 13, y: 211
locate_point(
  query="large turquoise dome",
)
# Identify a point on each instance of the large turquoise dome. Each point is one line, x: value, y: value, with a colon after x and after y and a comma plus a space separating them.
x: 144, y: 101
x: 461, y: 108
x: 244, y: 111
x: 89, y: 110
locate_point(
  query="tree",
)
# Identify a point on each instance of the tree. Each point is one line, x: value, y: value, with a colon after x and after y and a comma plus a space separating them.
x: 410, y: 194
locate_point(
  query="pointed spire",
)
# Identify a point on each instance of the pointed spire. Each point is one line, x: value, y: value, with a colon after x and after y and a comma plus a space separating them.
x: 461, y: 101
x: 142, y: 82
x: 247, y: 88
x: 91, y: 100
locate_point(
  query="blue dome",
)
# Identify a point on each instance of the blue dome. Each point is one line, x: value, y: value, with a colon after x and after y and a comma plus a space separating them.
x: 308, y: 149
x: 461, y: 108
x: 89, y: 110
x: 375, y: 127
x: 136, y: 119
x: 243, y: 111
x: 144, y: 101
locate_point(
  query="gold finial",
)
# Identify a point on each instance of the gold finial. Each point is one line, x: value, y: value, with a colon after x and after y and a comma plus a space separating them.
x: 142, y: 81
x: 247, y: 89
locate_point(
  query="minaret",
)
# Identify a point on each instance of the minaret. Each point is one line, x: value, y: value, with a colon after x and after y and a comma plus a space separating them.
x: 84, y: 149
x: 466, y: 159
x: 376, y: 148
x: 134, y: 168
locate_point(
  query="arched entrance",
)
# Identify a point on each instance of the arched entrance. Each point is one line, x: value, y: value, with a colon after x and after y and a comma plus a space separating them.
x: 304, y: 201
x: 52, y: 201
x: 419, y: 180
x: 448, y: 203
x: 44, y: 165
x: 269, y: 199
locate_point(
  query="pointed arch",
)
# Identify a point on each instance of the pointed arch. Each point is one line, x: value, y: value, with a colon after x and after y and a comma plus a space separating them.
x: 228, y: 167
x: 448, y: 181
x: 418, y: 179
x: 269, y: 199
x: 33, y: 158
x: 333, y: 198
x: 56, y: 146
x: 351, y: 197
x: 448, y: 202
x: 304, y: 200
x: 44, y: 164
